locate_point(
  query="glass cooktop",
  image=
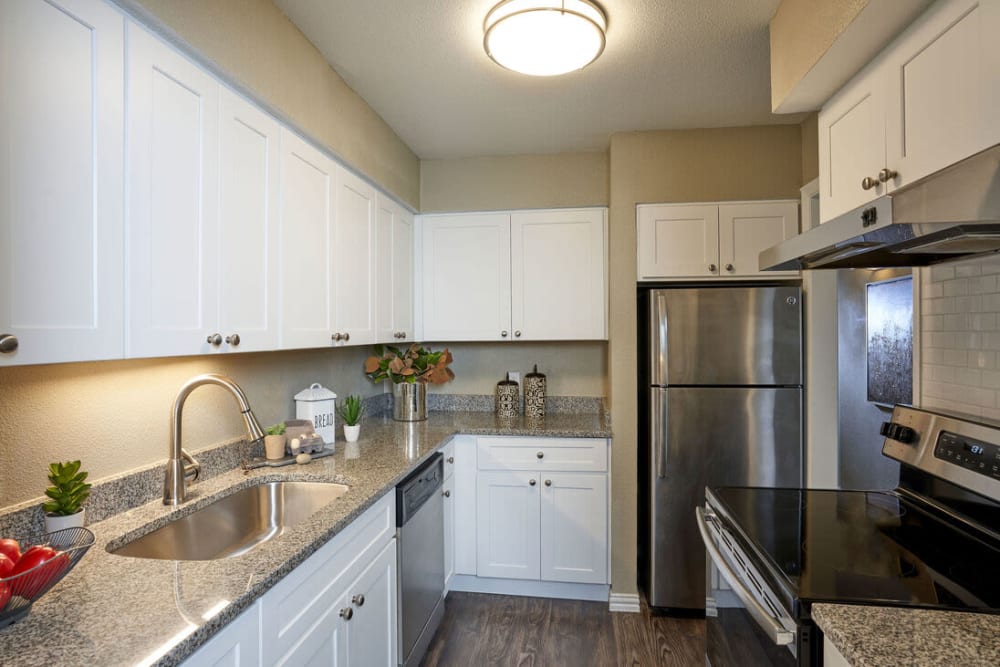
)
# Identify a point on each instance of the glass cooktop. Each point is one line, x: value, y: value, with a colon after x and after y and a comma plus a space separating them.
x: 864, y: 547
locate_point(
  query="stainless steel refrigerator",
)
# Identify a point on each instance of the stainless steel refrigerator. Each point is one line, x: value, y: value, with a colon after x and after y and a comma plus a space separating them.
x: 725, y: 409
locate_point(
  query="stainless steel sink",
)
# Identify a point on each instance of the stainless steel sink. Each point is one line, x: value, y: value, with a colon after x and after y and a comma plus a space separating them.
x: 235, y: 524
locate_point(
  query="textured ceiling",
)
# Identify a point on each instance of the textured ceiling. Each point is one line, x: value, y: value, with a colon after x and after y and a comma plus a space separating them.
x: 668, y: 64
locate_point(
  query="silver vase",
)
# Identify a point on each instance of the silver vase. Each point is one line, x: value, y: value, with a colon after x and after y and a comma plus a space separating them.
x: 409, y: 402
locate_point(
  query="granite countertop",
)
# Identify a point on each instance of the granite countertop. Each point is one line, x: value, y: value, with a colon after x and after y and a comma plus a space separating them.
x: 116, y: 610
x: 888, y: 636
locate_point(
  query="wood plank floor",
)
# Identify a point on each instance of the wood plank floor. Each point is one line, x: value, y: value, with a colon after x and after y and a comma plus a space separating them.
x: 480, y: 629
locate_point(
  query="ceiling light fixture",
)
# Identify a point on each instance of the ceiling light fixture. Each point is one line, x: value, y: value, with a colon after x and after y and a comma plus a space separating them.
x: 545, y: 37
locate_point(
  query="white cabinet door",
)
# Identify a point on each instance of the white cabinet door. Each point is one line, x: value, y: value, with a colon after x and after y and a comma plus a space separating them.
x: 236, y: 645
x: 61, y: 183
x: 678, y: 241
x: 448, y: 489
x: 322, y: 645
x: 371, y: 628
x: 508, y: 525
x: 747, y: 229
x: 306, y: 241
x: 466, y: 277
x: 574, y: 527
x: 558, y: 289
x: 248, y: 225
x: 395, y: 272
x: 852, y: 144
x: 943, y: 79
x: 355, y: 282
x: 173, y: 154
x: 465, y: 504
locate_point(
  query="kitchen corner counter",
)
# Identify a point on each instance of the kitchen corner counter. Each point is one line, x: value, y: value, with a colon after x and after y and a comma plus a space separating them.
x: 117, y: 610
x: 869, y: 636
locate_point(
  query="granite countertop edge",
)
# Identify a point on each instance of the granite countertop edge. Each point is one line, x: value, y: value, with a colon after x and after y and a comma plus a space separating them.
x: 874, y: 636
x: 385, y: 454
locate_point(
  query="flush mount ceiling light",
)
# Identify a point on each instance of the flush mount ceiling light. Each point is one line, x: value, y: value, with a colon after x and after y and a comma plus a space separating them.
x: 544, y: 37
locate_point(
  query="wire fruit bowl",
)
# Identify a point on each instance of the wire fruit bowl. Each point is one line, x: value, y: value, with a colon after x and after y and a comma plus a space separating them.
x: 18, y: 592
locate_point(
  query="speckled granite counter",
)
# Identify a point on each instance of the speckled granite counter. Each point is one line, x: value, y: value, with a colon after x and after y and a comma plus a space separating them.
x: 114, y: 610
x: 890, y: 636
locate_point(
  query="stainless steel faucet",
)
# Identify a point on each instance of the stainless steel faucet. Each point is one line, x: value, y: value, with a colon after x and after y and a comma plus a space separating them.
x: 180, y: 464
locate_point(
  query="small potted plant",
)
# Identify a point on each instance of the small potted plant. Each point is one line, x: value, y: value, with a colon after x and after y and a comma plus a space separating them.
x: 351, y: 411
x: 67, y: 494
x: 410, y: 370
x: 274, y: 441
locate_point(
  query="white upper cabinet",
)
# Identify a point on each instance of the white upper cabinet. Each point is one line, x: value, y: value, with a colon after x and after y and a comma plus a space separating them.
x: 354, y: 261
x: 61, y: 181
x: 558, y: 275
x: 466, y: 277
x: 395, y: 272
x: 248, y: 225
x: 692, y: 241
x: 308, y: 180
x: 173, y: 153
x: 533, y: 275
x: 927, y: 101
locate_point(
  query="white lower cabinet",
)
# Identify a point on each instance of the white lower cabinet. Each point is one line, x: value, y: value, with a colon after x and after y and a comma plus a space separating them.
x: 574, y: 528
x: 237, y: 645
x: 448, y: 489
x: 508, y: 525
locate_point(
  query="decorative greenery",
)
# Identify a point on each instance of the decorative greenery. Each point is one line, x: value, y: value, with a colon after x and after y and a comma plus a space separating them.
x: 68, y: 490
x: 416, y: 364
x: 351, y: 410
x: 276, y: 429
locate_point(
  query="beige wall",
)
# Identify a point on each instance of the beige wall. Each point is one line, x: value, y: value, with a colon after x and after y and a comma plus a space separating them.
x: 115, y: 415
x: 810, y: 147
x: 671, y: 166
x: 255, y: 44
x: 514, y: 181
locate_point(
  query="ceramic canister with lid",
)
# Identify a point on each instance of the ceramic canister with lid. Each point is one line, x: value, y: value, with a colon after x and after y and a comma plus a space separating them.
x: 317, y: 403
x: 534, y: 394
x: 508, y: 397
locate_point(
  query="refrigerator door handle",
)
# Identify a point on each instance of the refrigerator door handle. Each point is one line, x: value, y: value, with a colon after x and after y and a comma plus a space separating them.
x: 659, y: 433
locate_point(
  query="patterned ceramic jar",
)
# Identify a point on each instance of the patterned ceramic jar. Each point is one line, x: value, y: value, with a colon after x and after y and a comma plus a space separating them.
x: 534, y: 394
x: 508, y: 398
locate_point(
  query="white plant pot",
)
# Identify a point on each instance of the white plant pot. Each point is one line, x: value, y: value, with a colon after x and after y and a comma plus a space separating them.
x: 351, y: 433
x: 274, y: 447
x: 54, y: 522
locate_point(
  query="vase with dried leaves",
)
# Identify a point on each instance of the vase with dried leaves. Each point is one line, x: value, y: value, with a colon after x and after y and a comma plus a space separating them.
x: 410, y: 371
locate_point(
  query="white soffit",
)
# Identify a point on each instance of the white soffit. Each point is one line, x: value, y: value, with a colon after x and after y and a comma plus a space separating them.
x: 668, y: 64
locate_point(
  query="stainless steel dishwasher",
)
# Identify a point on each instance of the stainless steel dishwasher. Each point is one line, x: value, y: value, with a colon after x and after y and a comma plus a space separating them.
x: 420, y: 531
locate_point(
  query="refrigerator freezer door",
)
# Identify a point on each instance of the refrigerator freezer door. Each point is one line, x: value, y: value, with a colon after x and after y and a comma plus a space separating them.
x: 702, y: 436
x: 726, y: 336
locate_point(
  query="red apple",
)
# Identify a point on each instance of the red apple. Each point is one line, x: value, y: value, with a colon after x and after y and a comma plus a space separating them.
x: 6, y: 566
x: 50, y: 564
x: 11, y: 549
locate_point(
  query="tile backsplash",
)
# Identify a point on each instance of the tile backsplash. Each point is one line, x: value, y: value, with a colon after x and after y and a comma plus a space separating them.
x: 960, y: 337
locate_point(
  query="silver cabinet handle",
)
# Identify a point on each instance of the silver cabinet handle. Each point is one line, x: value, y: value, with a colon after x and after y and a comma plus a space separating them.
x: 867, y: 183
x: 446, y: 494
x: 347, y: 613
x: 214, y: 339
x: 503, y: 334
x: 336, y: 336
x: 233, y: 340
x: 451, y: 459
x: 729, y: 267
x: 887, y: 175
x: 548, y: 482
x: 517, y: 334
x: 8, y: 343
x: 359, y: 599
x: 711, y: 268
x: 540, y: 455
x: 532, y: 482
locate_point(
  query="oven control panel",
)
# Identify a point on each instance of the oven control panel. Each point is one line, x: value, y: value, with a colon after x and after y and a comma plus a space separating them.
x: 975, y: 455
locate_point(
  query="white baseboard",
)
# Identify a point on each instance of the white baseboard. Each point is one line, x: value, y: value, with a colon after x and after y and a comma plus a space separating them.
x: 626, y: 602
x: 528, y: 588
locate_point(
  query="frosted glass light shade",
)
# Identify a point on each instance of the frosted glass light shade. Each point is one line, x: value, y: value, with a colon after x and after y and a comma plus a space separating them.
x: 544, y: 37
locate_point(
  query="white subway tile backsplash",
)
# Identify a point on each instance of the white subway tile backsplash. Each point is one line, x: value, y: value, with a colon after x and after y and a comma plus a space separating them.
x: 957, y: 287
x: 967, y: 269
x: 941, y: 273
x: 980, y: 359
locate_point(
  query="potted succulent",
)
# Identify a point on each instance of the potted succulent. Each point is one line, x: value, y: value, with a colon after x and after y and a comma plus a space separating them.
x: 67, y: 494
x: 410, y: 371
x: 351, y: 411
x: 274, y: 441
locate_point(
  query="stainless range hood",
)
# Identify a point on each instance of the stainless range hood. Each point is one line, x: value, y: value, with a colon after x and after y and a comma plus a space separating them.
x: 950, y: 215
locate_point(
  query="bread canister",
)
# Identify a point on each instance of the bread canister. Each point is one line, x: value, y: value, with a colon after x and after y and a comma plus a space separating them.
x: 317, y: 404
x: 508, y: 397
x: 534, y: 394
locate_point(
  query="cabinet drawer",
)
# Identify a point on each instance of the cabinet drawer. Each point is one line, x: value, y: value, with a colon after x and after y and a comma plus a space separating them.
x: 301, y: 599
x: 567, y: 454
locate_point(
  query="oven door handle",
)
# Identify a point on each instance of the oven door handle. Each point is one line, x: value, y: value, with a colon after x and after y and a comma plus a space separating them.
x: 770, y: 625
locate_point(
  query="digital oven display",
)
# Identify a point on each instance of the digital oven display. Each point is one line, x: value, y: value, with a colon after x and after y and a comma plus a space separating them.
x: 976, y: 455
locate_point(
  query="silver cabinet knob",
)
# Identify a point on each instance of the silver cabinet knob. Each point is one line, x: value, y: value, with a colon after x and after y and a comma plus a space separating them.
x: 712, y: 268
x: 446, y: 494
x: 729, y: 267
x: 548, y: 482
x: 347, y: 337
x: 451, y: 459
x: 503, y: 334
x: 887, y: 175
x: 214, y: 339
x: 517, y: 334
x: 347, y: 613
x: 233, y: 340
x: 359, y: 599
x: 532, y: 482
x: 337, y: 336
x: 8, y: 343
x: 402, y: 334
x: 867, y: 183
x: 540, y: 455
x: 397, y: 334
